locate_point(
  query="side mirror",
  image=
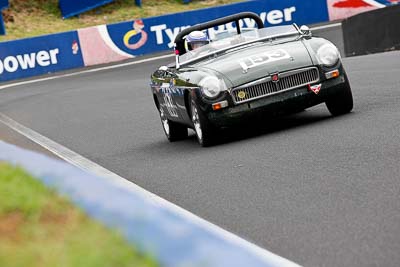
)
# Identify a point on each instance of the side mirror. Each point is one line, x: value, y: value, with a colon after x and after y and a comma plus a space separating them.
x: 306, y: 30
x: 166, y: 73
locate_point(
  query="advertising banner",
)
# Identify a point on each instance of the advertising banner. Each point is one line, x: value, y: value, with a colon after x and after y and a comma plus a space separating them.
x: 340, y: 9
x: 71, y: 8
x: 144, y: 36
x: 39, y: 55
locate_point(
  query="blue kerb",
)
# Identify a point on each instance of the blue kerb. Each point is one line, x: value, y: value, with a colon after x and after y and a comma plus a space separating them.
x: 174, y: 239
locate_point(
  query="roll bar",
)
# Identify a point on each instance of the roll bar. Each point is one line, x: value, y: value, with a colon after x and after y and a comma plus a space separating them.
x: 180, y: 42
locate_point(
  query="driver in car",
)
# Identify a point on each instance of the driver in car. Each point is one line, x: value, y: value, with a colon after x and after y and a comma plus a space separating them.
x: 196, y: 39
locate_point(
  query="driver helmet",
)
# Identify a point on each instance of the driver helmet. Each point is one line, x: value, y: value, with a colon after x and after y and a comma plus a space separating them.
x: 196, y: 39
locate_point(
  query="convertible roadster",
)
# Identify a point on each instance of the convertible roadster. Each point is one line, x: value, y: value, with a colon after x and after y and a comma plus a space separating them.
x: 252, y: 72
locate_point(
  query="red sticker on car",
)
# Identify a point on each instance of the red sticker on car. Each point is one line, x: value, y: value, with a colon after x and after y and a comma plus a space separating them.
x: 315, y: 88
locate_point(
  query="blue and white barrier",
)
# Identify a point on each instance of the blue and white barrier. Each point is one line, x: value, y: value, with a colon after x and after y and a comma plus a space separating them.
x: 174, y: 236
x: 40, y: 55
x: 157, y: 34
x: 70, y: 8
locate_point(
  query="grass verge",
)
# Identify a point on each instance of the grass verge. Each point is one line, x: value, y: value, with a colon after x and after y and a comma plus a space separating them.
x: 39, y: 228
x: 27, y: 18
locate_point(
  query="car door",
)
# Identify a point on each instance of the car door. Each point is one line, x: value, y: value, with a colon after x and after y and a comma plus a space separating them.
x: 169, y: 94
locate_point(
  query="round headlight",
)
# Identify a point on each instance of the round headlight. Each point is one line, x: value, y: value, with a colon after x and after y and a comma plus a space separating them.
x: 211, y: 86
x: 328, y: 55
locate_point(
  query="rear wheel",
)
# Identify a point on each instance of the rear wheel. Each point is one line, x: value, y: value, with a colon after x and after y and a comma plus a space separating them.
x: 173, y: 130
x: 205, y: 132
x: 342, y: 102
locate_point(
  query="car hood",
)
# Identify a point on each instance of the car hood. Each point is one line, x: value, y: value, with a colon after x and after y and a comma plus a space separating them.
x: 246, y: 64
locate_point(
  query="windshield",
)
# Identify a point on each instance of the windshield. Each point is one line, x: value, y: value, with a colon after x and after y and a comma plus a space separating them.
x: 224, y: 40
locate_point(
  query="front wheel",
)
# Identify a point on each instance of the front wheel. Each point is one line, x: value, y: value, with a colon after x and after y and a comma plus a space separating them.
x: 342, y: 102
x: 173, y: 130
x: 205, y: 132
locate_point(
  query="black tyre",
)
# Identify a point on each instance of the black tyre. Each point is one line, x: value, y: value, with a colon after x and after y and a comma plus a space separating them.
x: 342, y: 102
x: 173, y: 130
x: 205, y: 132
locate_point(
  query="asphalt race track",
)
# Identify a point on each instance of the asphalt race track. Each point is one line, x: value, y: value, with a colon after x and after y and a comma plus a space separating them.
x: 318, y: 190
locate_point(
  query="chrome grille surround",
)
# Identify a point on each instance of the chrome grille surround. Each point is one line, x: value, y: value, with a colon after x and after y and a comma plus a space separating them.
x: 265, y: 87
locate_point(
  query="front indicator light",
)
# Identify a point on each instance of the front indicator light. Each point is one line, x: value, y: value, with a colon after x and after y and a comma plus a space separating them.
x: 220, y: 105
x: 332, y: 74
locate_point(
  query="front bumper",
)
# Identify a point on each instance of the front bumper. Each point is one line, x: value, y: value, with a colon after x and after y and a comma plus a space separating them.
x: 286, y: 102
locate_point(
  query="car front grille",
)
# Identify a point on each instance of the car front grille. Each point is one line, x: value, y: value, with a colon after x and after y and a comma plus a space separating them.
x: 266, y: 87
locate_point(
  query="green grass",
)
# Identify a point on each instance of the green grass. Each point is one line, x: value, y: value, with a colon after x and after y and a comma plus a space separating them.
x: 27, y: 18
x: 40, y: 229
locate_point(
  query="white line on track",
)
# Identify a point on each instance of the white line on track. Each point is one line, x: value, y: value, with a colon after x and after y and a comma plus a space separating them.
x: 85, y: 71
x: 87, y: 165
x: 326, y: 26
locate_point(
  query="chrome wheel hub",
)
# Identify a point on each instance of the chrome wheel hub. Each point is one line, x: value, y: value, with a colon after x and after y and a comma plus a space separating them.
x: 196, y: 123
x: 164, y: 122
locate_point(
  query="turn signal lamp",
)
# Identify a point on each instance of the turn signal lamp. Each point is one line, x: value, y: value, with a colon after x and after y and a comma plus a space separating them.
x: 332, y: 74
x: 220, y: 105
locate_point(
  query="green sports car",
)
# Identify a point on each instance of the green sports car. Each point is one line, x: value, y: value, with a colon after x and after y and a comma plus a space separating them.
x: 251, y: 73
